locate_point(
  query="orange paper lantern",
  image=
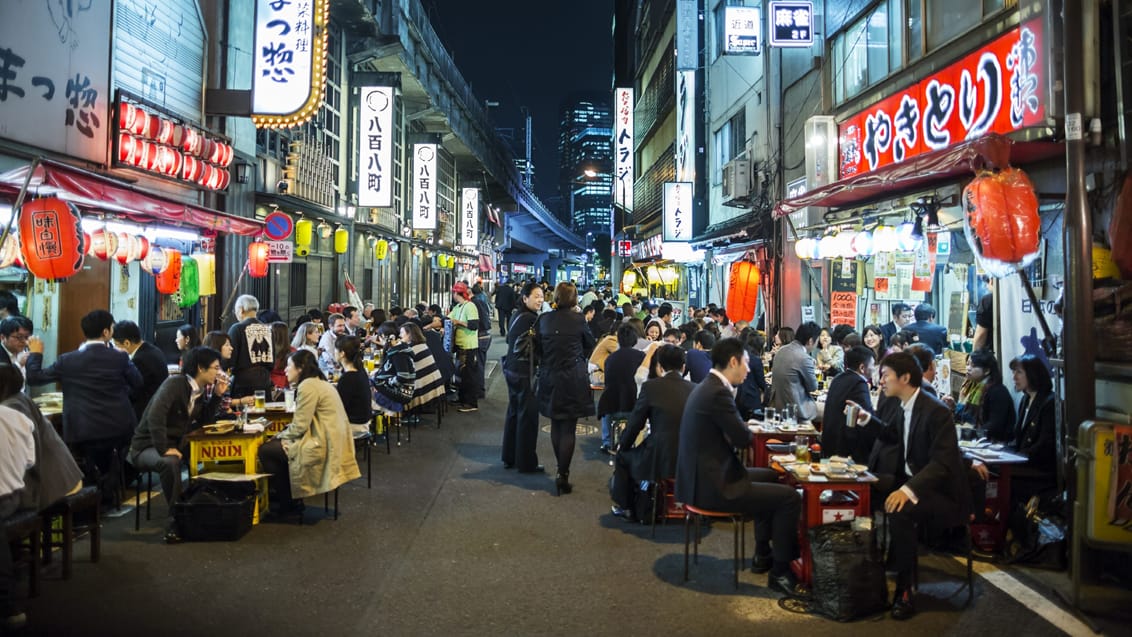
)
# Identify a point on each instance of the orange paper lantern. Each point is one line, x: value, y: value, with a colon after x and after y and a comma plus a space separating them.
x: 51, y: 238
x: 1002, y: 219
x: 169, y: 280
x: 743, y: 291
x: 257, y: 260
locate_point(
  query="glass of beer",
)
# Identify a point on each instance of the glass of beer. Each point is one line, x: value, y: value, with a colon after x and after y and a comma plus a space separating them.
x: 260, y: 400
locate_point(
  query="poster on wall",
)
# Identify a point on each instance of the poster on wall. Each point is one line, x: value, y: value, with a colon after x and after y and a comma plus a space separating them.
x: 1022, y: 334
x: 883, y: 272
x: 843, y: 308
x: 923, y: 270
x: 843, y: 276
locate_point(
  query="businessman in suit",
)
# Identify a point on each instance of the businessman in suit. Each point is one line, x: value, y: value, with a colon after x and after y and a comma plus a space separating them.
x: 699, y: 357
x: 850, y: 385
x: 921, y: 473
x: 181, y: 403
x: 147, y: 357
x: 661, y: 402
x: 97, y: 380
x: 709, y: 473
x: 792, y: 373
x: 14, y: 334
x: 901, y: 316
x: 931, y: 333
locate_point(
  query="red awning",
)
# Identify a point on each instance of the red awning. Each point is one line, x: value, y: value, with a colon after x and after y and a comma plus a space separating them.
x: 92, y: 191
x: 990, y: 151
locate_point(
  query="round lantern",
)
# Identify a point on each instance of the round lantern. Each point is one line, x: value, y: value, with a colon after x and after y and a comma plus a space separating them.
x: 341, y: 240
x: 155, y: 261
x: 103, y: 244
x: 863, y: 243
x: 122, y: 253
x: 827, y: 247
x: 9, y: 252
x: 381, y: 249
x: 628, y: 281
x: 304, y: 234
x: 884, y: 239
x: 140, y: 121
x: 743, y: 291
x: 905, y: 239
x: 1002, y: 226
x: 164, y: 131
x: 190, y: 283
x: 257, y: 260
x: 51, y: 238
x: 169, y: 279
x: 804, y: 248
x: 127, y: 145
x: 206, y: 273
x: 139, y: 248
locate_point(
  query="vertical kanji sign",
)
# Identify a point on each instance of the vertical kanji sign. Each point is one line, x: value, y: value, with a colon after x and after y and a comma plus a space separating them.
x: 424, y: 186
x: 1120, y: 493
x: 288, y: 60
x: 470, y: 217
x: 375, y: 147
x: 623, y: 145
x: 678, y: 211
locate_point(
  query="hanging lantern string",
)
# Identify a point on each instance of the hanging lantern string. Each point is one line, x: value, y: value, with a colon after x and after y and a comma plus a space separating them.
x: 19, y: 200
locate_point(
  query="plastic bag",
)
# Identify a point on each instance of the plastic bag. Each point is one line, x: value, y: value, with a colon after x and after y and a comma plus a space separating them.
x: 849, y: 580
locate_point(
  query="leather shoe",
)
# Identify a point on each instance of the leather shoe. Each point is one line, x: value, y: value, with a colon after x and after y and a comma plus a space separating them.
x: 172, y: 537
x: 761, y: 564
x: 607, y: 450
x: 537, y: 469
x: 508, y: 465
x: 788, y: 585
x: 621, y: 513
x: 902, y: 607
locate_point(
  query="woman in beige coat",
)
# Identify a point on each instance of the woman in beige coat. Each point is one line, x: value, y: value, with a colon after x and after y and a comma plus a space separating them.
x: 315, y: 453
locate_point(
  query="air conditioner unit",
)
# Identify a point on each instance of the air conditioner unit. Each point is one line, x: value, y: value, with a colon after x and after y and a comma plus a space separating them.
x: 737, y: 182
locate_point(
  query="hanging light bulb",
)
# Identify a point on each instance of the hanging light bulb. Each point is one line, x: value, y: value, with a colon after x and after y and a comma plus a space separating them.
x: 804, y: 248
x: 324, y: 230
x: 884, y: 239
x: 827, y: 247
x: 863, y: 243
x: 845, y: 244
x: 906, y: 237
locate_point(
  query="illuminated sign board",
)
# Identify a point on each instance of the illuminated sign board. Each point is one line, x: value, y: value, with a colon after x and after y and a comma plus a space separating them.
x: 685, y: 125
x: 375, y: 147
x: 791, y: 23
x: 742, y: 30
x: 677, y: 211
x: 623, y: 138
x: 424, y: 186
x: 288, y: 61
x: 470, y: 217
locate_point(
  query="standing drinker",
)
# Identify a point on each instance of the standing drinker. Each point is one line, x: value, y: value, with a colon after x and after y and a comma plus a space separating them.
x: 466, y: 321
x: 520, y: 427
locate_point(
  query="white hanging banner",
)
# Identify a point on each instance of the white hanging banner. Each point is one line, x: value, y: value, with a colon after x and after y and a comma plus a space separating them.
x: 424, y: 186
x: 678, y: 211
x: 470, y: 217
x: 375, y: 147
x: 623, y: 139
x: 685, y: 125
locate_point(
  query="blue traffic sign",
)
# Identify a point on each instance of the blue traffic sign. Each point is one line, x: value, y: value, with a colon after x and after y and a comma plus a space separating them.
x: 278, y: 226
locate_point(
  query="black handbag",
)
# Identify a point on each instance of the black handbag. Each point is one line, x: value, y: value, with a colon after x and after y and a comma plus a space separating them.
x: 849, y: 579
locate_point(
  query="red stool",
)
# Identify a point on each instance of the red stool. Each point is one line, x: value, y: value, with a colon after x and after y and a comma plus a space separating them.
x: 664, y: 494
x: 738, y: 525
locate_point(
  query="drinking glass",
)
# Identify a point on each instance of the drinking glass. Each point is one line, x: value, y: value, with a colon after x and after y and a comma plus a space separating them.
x: 260, y: 400
x: 802, y: 449
x: 289, y: 399
x: 771, y: 414
x: 789, y: 415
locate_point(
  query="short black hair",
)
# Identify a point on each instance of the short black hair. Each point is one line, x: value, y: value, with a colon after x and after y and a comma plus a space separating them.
x: 839, y: 332
x: 689, y: 329
x: 665, y: 310
x: 705, y: 339
x: 724, y: 351
x: 806, y: 332
x: 349, y: 311
x: 95, y: 322
x: 1037, y: 374
x: 9, y: 303
x: 627, y: 335
x: 127, y: 331
x: 11, y: 381
x: 924, y: 312
x: 436, y: 309
x: 669, y: 357
x: 756, y: 343
x: 850, y: 340
x: 672, y: 331
x: 902, y: 363
x: 986, y: 360
x: 923, y: 354
x: 315, y: 314
x: 900, y: 308
x: 198, y: 358
x: 857, y: 356
x: 13, y: 324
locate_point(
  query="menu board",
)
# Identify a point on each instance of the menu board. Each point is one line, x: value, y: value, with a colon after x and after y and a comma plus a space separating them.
x: 843, y: 308
x: 843, y: 276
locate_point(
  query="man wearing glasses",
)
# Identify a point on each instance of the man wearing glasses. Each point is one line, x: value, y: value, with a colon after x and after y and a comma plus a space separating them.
x: 14, y: 333
x: 181, y: 404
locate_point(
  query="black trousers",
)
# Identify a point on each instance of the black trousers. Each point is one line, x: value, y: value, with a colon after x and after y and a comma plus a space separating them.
x: 8, y: 505
x: 563, y: 434
x: 504, y: 320
x: 904, y: 539
x: 775, y: 508
x: 273, y: 460
x: 520, y: 426
x: 470, y: 375
x: 167, y: 467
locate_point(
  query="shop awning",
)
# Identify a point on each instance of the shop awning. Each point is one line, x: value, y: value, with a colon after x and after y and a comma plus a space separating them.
x: 922, y: 171
x: 92, y: 191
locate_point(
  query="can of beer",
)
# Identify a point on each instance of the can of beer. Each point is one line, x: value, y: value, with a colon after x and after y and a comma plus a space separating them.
x: 851, y: 414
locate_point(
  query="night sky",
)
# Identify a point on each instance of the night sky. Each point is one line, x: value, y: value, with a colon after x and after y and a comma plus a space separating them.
x: 530, y: 53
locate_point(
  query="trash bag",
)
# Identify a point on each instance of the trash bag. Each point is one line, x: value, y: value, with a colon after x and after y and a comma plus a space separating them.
x: 849, y: 580
x: 1038, y: 536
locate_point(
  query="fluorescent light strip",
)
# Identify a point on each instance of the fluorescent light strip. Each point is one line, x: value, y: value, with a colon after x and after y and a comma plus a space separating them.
x: 149, y: 232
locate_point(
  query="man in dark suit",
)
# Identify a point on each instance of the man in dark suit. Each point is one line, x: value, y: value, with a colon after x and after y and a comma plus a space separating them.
x: 147, y: 357
x: 901, y: 316
x: 620, y: 391
x: 661, y: 403
x: 699, y: 357
x: 97, y: 380
x: 921, y: 473
x: 182, y: 403
x: 14, y: 334
x: 931, y: 334
x: 709, y: 473
x: 504, y: 296
x: 850, y: 385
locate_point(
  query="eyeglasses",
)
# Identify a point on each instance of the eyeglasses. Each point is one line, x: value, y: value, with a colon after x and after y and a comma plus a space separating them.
x: 216, y: 367
x: 19, y: 337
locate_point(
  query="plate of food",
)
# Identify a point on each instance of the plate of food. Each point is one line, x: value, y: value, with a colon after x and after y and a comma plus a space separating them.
x: 220, y: 427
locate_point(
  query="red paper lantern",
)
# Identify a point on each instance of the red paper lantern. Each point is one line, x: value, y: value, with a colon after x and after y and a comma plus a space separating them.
x: 126, y: 146
x: 152, y: 126
x: 257, y: 260
x: 165, y: 131
x: 122, y: 254
x: 126, y: 116
x: 140, y: 121
x: 169, y: 279
x: 743, y: 291
x: 1002, y: 214
x: 103, y: 244
x: 51, y: 238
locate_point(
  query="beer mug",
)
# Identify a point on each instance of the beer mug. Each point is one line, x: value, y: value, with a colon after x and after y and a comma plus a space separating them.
x: 260, y: 400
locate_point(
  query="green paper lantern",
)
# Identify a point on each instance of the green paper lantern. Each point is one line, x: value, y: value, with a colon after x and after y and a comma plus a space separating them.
x: 190, y: 283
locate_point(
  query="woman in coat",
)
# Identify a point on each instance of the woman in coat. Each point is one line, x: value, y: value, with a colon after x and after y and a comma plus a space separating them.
x: 520, y: 427
x: 395, y: 381
x: 562, y: 346
x: 1036, y: 436
x: 315, y: 453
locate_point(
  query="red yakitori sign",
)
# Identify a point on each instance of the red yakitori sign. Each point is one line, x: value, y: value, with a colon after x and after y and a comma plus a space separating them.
x: 996, y: 89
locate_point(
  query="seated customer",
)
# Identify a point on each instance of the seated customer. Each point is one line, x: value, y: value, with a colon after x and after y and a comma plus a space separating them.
x: 147, y: 357
x: 699, y: 357
x: 837, y: 439
x: 917, y: 460
x: 1036, y: 437
x: 429, y: 382
x: 754, y: 391
x: 315, y: 453
x: 660, y: 403
x: 353, y: 384
x: 709, y: 473
x: 620, y: 387
x: 984, y: 400
x: 17, y: 456
x: 181, y: 404
x: 395, y: 380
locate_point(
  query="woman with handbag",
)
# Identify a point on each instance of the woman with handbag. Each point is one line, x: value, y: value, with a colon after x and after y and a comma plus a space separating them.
x: 563, y: 344
x: 520, y: 427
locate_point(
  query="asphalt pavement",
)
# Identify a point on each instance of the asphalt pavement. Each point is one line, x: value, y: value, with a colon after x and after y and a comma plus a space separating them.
x: 448, y: 542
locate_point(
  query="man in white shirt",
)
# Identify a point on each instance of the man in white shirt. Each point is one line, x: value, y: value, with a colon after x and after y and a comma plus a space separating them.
x: 327, y: 352
x: 14, y: 334
x: 17, y: 455
x: 919, y: 466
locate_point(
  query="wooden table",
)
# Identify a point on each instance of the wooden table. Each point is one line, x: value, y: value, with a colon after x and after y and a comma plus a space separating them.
x: 277, y: 418
x: 992, y: 537
x: 758, y: 455
x: 814, y: 513
x: 230, y: 447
